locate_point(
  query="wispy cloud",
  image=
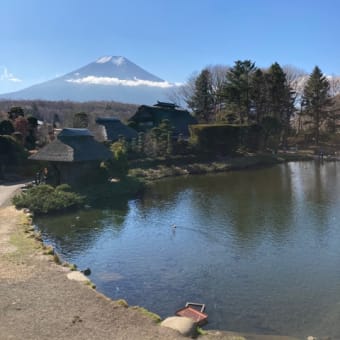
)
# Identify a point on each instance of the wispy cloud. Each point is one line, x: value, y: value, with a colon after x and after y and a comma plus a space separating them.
x: 116, y: 81
x: 8, y: 76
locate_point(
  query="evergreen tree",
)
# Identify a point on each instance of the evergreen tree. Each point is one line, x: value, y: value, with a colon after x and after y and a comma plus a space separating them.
x: 278, y: 92
x: 259, y: 95
x: 280, y: 99
x: 202, y: 100
x: 237, y: 89
x: 316, y: 98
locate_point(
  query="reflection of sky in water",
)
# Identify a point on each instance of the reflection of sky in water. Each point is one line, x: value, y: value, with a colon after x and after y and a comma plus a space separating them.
x: 260, y: 248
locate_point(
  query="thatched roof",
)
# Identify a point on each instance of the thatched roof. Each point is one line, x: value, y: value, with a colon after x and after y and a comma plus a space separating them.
x: 73, y: 145
x: 114, y: 129
x: 179, y: 118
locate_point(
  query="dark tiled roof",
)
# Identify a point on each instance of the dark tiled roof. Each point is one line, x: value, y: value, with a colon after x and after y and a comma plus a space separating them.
x: 73, y: 145
x: 68, y: 132
x: 115, y: 128
x: 107, y: 120
x: 178, y: 117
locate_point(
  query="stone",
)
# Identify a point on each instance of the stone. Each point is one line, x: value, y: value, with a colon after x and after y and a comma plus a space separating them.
x: 77, y: 276
x: 182, y: 324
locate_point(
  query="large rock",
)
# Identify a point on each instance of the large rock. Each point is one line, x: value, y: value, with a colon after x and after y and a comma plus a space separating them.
x: 77, y: 276
x: 182, y: 324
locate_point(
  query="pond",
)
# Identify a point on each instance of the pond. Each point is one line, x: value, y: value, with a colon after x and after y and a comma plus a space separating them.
x: 261, y: 248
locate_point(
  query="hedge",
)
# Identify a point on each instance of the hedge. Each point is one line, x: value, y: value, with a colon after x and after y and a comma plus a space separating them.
x: 225, y: 138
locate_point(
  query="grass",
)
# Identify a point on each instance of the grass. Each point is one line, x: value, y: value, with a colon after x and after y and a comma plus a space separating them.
x: 147, y: 313
x: 48, y: 250
x: 56, y: 258
x: 23, y: 244
x: 162, y: 171
x: 159, y: 171
x: 70, y: 266
x: 123, y: 303
x: 200, y: 331
x: 90, y: 284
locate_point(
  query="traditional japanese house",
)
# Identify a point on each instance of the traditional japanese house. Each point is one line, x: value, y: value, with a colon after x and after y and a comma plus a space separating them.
x: 113, y: 129
x: 72, y: 156
x: 148, y: 117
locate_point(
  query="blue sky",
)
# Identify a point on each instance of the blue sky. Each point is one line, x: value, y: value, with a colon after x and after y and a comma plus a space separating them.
x: 41, y: 39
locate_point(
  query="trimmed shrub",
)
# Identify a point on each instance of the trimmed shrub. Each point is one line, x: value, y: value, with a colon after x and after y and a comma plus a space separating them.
x: 44, y: 198
x: 225, y: 138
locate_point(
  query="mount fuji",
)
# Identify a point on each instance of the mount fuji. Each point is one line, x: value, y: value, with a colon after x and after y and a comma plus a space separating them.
x: 108, y: 78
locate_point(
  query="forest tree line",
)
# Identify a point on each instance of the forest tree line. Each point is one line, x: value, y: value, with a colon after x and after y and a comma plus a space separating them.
x: 272, y: 97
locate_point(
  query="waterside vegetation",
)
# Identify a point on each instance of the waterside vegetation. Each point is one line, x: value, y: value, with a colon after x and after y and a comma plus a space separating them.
x: 45, y: 198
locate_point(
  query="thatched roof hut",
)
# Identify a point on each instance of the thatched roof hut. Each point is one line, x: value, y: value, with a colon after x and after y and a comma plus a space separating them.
x: 148, y: 117
x: 73, y: 155
x: 73, y: 145
x: 113, y: 129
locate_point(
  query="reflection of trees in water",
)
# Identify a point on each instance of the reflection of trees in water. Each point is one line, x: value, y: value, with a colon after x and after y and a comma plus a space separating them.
x: 247, y: 201
x: 255, y: 202
x: 320, y: 186
x: 78, y: 231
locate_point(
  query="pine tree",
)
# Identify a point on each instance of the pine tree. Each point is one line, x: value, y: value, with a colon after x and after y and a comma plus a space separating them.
x: 259, y: 95
x: 280, y: 99
x: 237, y: 89
x: 278, y: 92
x: 202, y: 100
x: 316, y: 98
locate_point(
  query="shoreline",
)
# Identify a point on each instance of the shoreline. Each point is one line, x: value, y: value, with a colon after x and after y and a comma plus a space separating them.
x: 146, y: 329
x: 253, y: 161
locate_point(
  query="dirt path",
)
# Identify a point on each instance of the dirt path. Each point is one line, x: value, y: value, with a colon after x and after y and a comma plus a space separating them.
x: 7, y: 191
x: 38, y: 301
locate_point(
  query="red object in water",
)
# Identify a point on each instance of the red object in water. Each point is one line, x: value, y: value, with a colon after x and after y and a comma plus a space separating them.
x: 190, y: 312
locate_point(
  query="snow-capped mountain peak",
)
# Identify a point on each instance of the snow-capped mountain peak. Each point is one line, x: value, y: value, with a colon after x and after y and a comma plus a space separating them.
x: 115, y: 60
x: 103, y: 60
x: 118, y: 60
x: 107, y: 78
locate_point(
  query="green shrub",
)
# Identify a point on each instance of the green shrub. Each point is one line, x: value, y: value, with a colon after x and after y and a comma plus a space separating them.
x: 44, y: 198
x: 118, y: 166
x: 63, y: 187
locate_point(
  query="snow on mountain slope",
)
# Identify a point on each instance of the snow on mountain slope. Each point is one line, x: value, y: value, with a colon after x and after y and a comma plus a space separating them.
x: 108, y: 78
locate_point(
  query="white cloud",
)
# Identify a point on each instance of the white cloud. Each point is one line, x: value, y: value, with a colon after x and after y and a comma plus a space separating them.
x: 8, y: 76
x: 116, y: 81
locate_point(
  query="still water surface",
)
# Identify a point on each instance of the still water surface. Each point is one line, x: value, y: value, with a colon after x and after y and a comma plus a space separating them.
x: 260, y: 248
